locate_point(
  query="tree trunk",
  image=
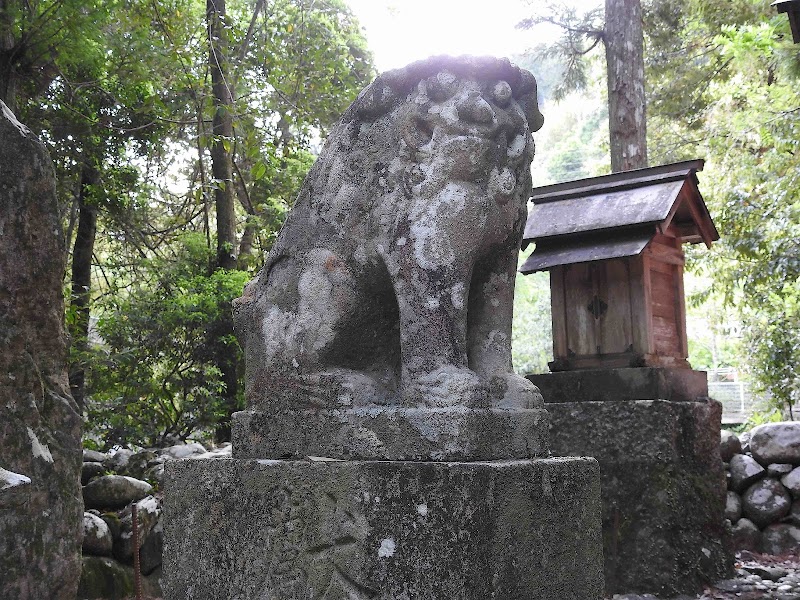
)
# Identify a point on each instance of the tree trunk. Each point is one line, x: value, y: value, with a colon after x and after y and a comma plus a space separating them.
x: 82, y: 252
x: 222, y: 129
x: 8, y: 75
x: 624, y: 43
x: 224, y: 197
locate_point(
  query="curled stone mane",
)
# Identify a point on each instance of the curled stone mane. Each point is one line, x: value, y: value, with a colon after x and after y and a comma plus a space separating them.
x: 391, y: 88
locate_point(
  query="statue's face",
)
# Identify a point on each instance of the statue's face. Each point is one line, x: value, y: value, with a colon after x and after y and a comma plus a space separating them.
x: 467, y: 130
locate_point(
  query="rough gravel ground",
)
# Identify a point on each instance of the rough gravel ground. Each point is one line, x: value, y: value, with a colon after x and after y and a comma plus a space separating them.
x: 758, y: 577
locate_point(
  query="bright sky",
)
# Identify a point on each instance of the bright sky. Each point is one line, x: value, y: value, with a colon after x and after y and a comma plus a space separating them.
x: 402, y: 31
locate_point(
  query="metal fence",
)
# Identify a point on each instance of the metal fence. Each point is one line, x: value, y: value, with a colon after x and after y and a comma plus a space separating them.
x: 738, y: 399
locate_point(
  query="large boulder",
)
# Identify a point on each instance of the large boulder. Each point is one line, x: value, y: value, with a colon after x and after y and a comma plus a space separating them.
x: 40, y: 426
x: 780, y: 538
x: 183, y: 450
x: 778, y: 470
x: 118, y: 461
x: 776, y: 443
x: 105, y: 579
x: 746, y: 535
x: 97, y: 538
x: 733, y: 507
x: 90, y: 470
x: 729, y: 445
x: 115, y: 491
x: 94, y: 456
x: 792, y: 482
x: 148, y: 512
x: 744, y: 471
x: 152, y: 549
x: 766, y: 501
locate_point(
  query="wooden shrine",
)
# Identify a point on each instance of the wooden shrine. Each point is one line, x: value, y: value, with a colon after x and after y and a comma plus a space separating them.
x: 612, y: 245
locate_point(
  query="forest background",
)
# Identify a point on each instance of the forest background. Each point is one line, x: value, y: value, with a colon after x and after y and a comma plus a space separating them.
x: 182, y: 129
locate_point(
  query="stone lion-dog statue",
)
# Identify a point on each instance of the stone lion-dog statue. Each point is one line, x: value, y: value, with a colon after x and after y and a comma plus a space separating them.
x: 392, y: 280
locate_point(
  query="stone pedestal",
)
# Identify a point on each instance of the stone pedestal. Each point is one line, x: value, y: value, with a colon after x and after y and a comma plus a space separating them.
x: 389, y: 530
x: 655, y: 434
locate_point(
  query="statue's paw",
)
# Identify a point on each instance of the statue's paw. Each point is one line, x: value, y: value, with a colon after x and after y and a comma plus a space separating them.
x: 510, y: 390
x: 448, y: 386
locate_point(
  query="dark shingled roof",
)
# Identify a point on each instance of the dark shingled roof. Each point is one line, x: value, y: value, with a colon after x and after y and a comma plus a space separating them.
x: 615, y: 215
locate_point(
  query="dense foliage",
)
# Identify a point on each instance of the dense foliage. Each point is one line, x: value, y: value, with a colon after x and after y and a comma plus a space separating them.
x: 129, y: 97
x: 722, y: 84
x: 724, y: 79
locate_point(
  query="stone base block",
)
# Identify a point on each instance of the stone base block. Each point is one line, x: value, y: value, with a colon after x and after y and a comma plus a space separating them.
x: 347, y: 530
x: 663, y: 490
x: 392, y: 433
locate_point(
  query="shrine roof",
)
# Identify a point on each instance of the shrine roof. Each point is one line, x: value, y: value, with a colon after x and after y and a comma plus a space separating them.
x: 615, y: 215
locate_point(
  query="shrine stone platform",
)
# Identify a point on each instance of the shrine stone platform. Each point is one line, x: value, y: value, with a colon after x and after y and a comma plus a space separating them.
x: 655, y: 433
x: 384, y: 530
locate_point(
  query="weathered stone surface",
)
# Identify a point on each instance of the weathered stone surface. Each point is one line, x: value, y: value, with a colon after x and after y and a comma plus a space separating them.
x: 147, y: 516
x: 183, y: 450
x: 776, y: 443
x: 139, y: 462
x: 746, y: 535
x: 94, y: 456
x: 89, y: 470
x: 409, y: 222
x: 150, y: 554
x: 744, y: 472
x: 766, y: 501
x: 39, y: 422
x: 791, y: 482
x: 389, y: 433
x: 778, y: 470
x: 794, y: 513
x: 105, y: 579
x: 599, y: 385
x: 516, y: 530
x: 119, y: 460
x: 729, y: 445
x: 780, y: 538
x: 155, y: 473
x: 733, y: 507
x: 744, y: 438
x: 656, y: 459
x: 114, y: 491
x: 15, y: 490
x: 97, y: 538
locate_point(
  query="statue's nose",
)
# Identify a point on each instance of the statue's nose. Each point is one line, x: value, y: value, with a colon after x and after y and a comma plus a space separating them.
x: 474, y: 109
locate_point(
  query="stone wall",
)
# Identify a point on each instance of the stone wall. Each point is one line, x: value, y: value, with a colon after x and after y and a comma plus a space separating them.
x: 762, y: 467
x: 112, y: 485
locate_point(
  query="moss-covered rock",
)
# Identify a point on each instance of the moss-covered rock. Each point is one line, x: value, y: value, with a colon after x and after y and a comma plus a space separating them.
x: 105, y: 579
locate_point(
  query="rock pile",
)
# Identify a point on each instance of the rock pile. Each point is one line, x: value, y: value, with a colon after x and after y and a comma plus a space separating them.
x: 763, y: 474
x: 112, y: 485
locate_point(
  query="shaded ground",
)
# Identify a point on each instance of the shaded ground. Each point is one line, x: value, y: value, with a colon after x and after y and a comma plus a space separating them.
x: 758, y: 577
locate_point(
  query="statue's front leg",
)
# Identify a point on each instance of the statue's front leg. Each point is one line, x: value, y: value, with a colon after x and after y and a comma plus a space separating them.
x: 432, y: 300
x: 491, y: 308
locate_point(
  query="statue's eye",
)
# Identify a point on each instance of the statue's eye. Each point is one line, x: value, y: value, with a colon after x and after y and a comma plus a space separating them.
x: 441, y: 86
x: 501, y: 92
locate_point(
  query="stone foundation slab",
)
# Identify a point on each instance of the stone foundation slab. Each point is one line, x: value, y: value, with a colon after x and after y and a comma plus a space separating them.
x: 336, y: 530
x: 624, y: 384
x: 392, y: 433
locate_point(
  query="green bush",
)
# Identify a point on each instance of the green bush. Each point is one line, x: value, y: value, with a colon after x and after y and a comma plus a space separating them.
x: 153, y: 377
